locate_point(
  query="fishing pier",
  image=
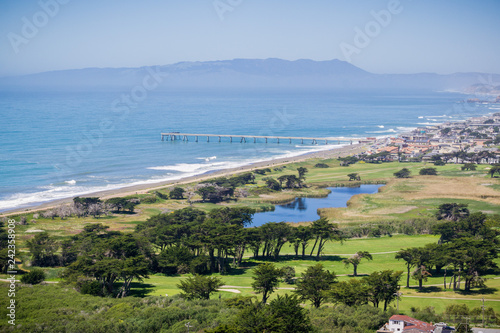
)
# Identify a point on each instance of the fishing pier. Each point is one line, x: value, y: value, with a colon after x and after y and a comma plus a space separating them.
x: 177, y: 136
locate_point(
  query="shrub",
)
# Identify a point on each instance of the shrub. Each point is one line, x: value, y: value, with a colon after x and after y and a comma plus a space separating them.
x: 35, y: 276
x: 428, y: 172
x: 322, y: 165
x: 161, y: 195
x: 177, y: 193
x: 439, y: 163
x: 403, y: 173
x: 149, y: 199
x: 262, y: 171
x: 288, y: 274
x: 272, y: 184
x: 93, y: 288
x: 469, y: 166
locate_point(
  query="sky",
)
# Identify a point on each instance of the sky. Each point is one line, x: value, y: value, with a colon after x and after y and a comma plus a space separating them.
x: 388, y: 36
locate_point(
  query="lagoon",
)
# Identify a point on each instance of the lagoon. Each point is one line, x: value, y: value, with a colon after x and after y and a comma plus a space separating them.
x: 306, y: 209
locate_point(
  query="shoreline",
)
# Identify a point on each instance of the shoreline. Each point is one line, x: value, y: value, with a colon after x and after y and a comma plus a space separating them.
x: 144, y: 188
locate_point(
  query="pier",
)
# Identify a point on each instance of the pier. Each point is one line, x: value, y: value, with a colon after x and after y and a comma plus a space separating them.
x: 177, y: 136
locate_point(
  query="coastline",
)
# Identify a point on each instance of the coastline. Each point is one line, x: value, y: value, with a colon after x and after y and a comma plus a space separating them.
x: 144, y: 188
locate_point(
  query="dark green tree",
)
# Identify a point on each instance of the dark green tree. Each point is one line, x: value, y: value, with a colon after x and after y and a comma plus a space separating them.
x: 35, y: 276
x: 428, y: 172
x: 469, y: 166
x: 351, y: 293
x: 409, y: 256
x: 199, y: 286
x: 273, y: 184
x: 323, y: 232
x: 403, y: 173
x: 314, y: 284
x: 207, y: 193
x: 452, y: 211
x: 288, y: 316
x: 283, y: 315
x: 171, y: 259
x: 177, y: 193
x: 493, y: 170
x: 383, y: 286
x: 266, y: 280
x: 353, y: 176
x: 43, y: 250
x: 355, y: 260
x: 302, y: 175
x: 109, y: 257
x: 301, y: 237
x: 290, y: 181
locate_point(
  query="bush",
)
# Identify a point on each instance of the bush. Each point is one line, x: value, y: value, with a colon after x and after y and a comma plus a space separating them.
x: 177, y: 193
x: 428, y: 172
x: 469, y: 166
x: 161, y: 195
x: 439, y: 163
x: 288, y: 274
x: 403, y: 173
x: 272, y: 184
x: 35, y: 276
x: 322, y: 165
x: 149, y: 199
x: 262, y: 171
x: 93, y: 288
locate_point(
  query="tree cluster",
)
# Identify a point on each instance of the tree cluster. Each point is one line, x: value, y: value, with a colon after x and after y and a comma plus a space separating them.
x: 190, y: 240
x: 101, y: 257
x: 467, y: 249
x: 287, y: 181
x: 221, y: 189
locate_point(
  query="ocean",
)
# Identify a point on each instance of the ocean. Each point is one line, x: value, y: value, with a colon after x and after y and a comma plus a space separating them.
x: 56, y: 145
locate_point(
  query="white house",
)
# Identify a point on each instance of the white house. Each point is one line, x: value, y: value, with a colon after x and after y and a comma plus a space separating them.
x: 401, y: 323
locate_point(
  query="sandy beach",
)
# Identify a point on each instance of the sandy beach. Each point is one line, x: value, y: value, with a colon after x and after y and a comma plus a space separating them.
x: 141, y: 189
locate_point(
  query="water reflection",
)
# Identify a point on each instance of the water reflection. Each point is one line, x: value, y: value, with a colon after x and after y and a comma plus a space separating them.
x: 306, y: 209
x: 298, y: 203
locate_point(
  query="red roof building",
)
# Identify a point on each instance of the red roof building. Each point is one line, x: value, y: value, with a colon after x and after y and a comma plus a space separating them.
x: 401, y: 323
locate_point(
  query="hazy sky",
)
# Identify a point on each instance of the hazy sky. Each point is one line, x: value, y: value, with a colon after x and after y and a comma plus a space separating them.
x: 417, y: 36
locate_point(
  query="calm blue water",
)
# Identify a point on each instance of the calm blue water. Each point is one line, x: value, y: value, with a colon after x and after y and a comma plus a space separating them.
x: 306, y: 209
x: 58, y: 145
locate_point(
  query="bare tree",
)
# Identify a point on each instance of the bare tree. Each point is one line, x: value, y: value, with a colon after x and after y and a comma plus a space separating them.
x: 49, y: 214
x: 64, y: 211
x: 95, y: 209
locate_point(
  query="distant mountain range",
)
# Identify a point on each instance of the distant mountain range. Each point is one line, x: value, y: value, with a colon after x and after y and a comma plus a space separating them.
x: 251, y: 74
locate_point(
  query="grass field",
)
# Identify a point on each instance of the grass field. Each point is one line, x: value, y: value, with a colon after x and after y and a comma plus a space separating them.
x: 239, y: 280
x: 399, y: 199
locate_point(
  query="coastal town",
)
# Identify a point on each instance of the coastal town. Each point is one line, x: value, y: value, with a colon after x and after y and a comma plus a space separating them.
x: 474, y: 140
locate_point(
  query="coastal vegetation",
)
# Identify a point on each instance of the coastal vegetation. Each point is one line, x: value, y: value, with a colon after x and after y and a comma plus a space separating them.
x: 422, y: 229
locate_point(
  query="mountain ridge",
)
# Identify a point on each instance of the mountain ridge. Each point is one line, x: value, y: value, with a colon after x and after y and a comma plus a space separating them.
x: 250, y: 73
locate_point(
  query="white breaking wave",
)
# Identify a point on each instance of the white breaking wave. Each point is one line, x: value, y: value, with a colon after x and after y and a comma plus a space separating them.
x: 71, y: 182
x: 426, y: 124
x: 380, y: 126
x: 207, y: 159
x: 187, y: 167
x: 391, y: 130
x: 402, y: 128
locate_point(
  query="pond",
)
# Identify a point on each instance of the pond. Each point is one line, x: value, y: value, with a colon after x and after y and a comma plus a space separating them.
x: 306, y: 209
